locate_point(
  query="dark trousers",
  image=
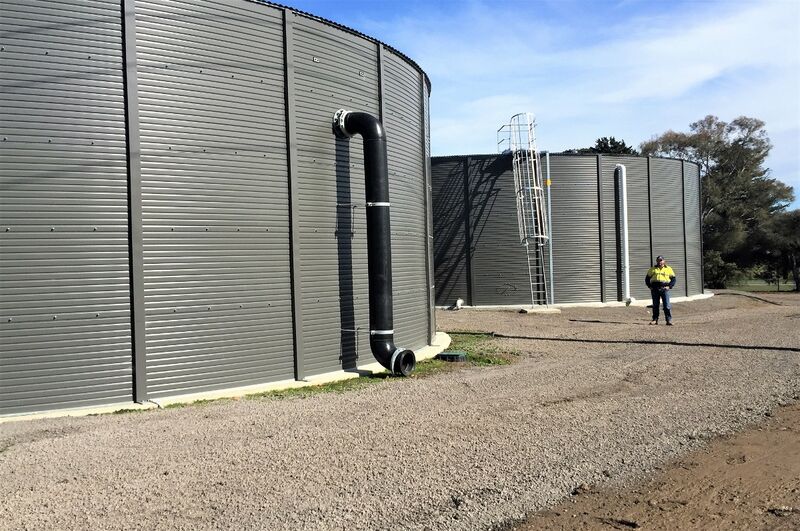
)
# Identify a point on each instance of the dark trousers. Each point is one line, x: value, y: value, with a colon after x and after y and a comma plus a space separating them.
x: 659, y: 295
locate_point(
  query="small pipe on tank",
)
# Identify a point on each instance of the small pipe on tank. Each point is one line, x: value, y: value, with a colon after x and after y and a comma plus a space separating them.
x: 621, y: 171
x: 550, y: 233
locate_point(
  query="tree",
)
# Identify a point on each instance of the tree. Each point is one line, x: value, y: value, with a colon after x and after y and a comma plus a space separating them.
x: 777, y: 246
x: 606, y: 145
x: 739, y: 196
x: 787, y: 231
x: 613, y: 146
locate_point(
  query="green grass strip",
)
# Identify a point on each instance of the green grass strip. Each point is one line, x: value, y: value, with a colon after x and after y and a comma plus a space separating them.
x: 481, y: 352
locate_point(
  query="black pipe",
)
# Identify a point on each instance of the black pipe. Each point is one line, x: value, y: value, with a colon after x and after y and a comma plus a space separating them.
x: 397, y: 360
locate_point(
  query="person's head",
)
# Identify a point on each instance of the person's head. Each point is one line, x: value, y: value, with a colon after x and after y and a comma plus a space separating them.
x: 660, y: 261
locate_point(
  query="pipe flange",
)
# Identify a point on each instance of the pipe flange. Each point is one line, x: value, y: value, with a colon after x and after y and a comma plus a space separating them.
x: 338, y: 124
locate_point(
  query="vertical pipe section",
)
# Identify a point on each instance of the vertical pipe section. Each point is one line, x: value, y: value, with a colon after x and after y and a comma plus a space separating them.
x: 626, y: 269
x: 397, y: 360
x: 550, y: 232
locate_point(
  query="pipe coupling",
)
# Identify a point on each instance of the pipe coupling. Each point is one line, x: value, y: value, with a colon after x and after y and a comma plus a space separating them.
x: 403, y: 362
x: 339, y: 128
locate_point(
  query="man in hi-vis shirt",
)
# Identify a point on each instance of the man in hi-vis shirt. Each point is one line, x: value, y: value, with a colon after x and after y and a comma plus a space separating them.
x: 660, y: 279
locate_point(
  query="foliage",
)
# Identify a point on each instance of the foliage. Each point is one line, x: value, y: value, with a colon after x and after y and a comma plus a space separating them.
x: 757, y: 285
x: 739, y: 198
x: 613, y: 146
x: 606, y: 145
x: 480, y: 349
x: 766, y: 272
x: 787, y: 231
x: 717, y: 272
x: 776, y: 247
x: 338, y: 387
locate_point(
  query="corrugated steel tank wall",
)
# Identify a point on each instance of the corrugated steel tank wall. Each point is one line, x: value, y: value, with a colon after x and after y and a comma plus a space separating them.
x: 495, y: 238
x: 65, y: 330
x: 694, y: 235
x: 404, y: 116
x: 667, y: 214
x: 638, y: 226
x: 450, y: 249
x: 429, y: 228
x: 477, y: 250
x: 177, y: 215
x: 333, y: 259
x: 215, y: 207
x: 576, y: 225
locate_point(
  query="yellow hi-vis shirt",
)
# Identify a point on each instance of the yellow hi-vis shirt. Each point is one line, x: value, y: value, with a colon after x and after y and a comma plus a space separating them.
x: 660, y: 274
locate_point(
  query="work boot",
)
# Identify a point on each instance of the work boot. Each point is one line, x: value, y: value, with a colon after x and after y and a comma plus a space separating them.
x: 654, y: 322
x: 669, y: 323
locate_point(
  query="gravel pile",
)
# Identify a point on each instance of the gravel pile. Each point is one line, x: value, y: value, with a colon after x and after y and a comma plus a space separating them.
x: 471, y: 449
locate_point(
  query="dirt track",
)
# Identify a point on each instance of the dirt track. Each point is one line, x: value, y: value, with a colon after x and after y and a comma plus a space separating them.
x: 597, y: 398
x: 749, y: 480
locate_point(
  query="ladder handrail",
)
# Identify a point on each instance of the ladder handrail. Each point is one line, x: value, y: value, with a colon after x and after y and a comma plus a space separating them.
x: 520, y: 133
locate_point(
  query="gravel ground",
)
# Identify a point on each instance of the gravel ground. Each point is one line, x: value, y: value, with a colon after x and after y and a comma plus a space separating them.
x: 599, y: 398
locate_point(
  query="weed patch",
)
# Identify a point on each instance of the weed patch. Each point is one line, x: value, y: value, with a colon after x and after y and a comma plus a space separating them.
x: 313, y: 390
x: 481, y: 350
x: 123, y: 411
x: 429, y: 367
x: 204, y: 402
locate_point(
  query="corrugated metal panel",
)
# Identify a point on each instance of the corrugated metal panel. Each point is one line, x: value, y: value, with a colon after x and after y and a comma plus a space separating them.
x: 694, y: 243
x: 333, y: 70
x: 638, y: 224
x: 666, y: 204
x: 65, y: 326
x: 499, y: 263
x: 431, y: 220
x: 576, y: 229
x: 612, y: 228
x: 449, y: 240
x: 214, y: 194
x: 403, y: 120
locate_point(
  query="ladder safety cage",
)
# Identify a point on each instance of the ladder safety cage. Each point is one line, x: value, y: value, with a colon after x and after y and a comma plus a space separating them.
x: 518, y: 138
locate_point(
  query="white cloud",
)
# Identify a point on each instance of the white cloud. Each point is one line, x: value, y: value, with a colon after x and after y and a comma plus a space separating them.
x: 649, y: 75
x: 630, y: 75
x: 686, y: 57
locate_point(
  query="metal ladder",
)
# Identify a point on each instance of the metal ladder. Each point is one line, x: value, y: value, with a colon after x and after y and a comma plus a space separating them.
x: 519, y: 138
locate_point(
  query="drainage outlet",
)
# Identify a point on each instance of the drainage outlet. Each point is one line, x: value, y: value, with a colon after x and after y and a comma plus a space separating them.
x: 452, y: 355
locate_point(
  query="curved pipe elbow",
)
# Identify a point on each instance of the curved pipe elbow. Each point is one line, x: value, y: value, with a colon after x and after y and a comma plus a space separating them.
x: 398, y: 361
x: 347, y: 124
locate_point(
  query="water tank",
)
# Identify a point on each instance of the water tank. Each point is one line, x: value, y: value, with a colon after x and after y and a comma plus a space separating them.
x: 176, y: 213
x: 477, y: 252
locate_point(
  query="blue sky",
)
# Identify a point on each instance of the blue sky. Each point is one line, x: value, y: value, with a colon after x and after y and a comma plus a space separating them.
x: 628, y: 68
